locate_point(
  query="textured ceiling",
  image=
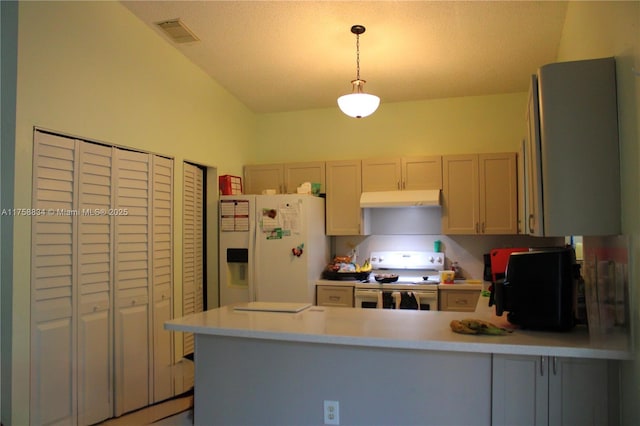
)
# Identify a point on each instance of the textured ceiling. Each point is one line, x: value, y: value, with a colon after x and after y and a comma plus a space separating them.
x: 291, y: 55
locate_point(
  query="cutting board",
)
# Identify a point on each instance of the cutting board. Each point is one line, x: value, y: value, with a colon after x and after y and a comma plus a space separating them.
x: 290, y: 307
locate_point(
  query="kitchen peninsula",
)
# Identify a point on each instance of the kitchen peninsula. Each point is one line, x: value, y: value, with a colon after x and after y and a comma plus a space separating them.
x: 394, y: 367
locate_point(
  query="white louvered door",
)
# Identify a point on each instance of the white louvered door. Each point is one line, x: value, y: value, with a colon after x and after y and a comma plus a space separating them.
x: 132, y: 280
x: 53, y: 335
x: 95, y: 281
x: 162, y: 258
x: 101, y: 280
x: 192, y: 246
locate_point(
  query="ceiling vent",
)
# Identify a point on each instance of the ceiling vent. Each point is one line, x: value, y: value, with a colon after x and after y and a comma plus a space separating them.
x: 177, y: 31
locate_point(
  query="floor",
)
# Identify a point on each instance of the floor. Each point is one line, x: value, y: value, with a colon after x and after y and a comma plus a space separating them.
x: 175, y: 412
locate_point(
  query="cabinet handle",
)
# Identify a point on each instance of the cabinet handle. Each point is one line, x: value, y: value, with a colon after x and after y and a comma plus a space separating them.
x: 531, y: 222
x: 477, y: 228
x: 542, y: 366
x: 404, y: 185
x: 399, y: 185
x: 334, y: 298
x: 461, y: 301
x: 555, y: 365
x: 483, y: 227
x: 133, y: 302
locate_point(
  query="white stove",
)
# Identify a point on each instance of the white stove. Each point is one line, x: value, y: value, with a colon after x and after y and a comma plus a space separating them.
x: 416, y: 287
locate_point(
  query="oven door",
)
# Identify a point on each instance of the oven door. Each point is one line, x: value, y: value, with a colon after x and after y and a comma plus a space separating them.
x: 428, y: 299
x: 368, y: 298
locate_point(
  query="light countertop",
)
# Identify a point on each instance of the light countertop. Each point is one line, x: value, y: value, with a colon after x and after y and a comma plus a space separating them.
x: 401, y: 329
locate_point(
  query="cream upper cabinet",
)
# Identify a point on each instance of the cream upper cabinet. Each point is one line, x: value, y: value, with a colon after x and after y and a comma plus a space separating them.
x: 259, y: 177
x: 381, y: 174
x: 406, y: 173
x: 344, y: 215
x: 296, y: 174
x: 422, y: 172
x: 284, y: 178
x: 480, y: 194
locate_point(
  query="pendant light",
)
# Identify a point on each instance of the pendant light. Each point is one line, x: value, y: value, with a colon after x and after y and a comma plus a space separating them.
x: 358, y: 104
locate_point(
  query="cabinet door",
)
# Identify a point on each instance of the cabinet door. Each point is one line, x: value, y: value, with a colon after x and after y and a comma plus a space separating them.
x: 498, y: 193
x: 53, y: 283
x: 458, y: 300
x: 296, y: 174
x: 95, y: 281
x: 381, y: 174
x: 422, y: 172
x: 162, y: 347
x: 534, y: 224
x: 192, y: 247
x: 519, y: 390
x: 334, y: 296
x: 578, y: 392
x: 460, y: 194
x: 131, y: 352
x: 344, y: 215
x: 94, y: 359
x: 162, y: 276
x: 263, y: 176
x: 132, y: 272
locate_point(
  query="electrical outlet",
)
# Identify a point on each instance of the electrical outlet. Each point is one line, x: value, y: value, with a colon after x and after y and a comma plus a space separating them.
x: 331, y: 412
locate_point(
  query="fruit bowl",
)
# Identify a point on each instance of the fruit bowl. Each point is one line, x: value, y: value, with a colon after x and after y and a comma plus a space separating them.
x: 386, y: 278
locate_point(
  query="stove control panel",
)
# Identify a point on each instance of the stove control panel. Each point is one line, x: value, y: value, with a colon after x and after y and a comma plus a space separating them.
x: 407, y: 260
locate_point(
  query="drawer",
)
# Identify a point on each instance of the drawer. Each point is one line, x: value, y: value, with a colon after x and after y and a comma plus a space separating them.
x: 334, y: 296
x: 459, y: 300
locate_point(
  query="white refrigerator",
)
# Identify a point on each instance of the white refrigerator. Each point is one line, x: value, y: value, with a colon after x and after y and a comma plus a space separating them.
x: 273, y: 248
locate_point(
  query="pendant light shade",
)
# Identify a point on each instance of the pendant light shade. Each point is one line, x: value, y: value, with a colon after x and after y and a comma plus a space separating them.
x: 358, y: 104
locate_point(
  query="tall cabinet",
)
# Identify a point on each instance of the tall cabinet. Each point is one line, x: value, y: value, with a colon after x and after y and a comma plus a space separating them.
x: 101, y: 253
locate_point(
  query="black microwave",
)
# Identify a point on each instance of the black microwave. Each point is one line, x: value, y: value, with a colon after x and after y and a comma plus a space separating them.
x: 538, y: 290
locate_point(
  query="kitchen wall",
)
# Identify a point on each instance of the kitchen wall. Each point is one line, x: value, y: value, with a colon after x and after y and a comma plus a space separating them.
x: 440, y: 126
x: 93, y: 70
x: 598, y: 29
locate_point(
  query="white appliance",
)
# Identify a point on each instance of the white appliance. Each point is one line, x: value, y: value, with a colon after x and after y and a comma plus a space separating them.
x: 416, y: 287
x: 272, y: 247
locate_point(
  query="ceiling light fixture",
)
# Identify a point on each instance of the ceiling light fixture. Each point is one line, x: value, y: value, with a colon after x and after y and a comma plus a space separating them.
x: 358, y: 104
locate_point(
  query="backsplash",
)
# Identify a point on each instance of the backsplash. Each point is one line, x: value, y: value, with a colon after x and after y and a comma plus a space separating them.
x: 467, y: 250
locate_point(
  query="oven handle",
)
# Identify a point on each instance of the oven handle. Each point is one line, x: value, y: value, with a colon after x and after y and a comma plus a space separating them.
x: 365, y: 292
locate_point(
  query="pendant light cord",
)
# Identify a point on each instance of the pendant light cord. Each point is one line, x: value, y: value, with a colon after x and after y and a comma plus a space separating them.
x: 357, y: 56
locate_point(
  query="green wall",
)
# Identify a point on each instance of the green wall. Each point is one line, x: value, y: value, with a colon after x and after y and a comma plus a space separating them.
x: 442, y: 126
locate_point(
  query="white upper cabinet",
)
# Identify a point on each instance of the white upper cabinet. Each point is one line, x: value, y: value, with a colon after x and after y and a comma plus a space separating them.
x: 573, y: 176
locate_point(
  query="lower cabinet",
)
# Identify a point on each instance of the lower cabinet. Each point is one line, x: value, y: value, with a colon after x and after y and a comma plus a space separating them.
x: 542, y: 390
x: 458, y: 300
x: 327, y: 295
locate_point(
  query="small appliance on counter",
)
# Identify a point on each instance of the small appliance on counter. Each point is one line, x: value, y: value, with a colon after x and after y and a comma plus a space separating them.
x: 538, y: 291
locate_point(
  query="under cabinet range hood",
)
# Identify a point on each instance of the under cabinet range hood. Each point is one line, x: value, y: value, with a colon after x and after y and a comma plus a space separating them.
x: 388, y: 199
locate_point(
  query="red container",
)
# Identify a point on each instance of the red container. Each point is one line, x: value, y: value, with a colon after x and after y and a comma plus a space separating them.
x: 230, y: 185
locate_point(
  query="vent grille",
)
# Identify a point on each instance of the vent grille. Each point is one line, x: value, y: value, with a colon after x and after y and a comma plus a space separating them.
x: 177, y: 31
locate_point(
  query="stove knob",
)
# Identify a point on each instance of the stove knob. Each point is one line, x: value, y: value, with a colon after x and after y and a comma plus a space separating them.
x: 439, y: 260
x: 431, y: 259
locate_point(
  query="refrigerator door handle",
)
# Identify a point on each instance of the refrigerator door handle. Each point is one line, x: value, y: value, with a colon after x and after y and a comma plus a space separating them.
x: 253, y: 255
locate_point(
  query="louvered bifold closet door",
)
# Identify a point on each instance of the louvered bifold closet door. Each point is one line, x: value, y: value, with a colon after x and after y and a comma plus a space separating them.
x: 162, y: 258
x: 132, y: 280
x: 53, y: 334
x: 95, y: 316
x: 192, y: 246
